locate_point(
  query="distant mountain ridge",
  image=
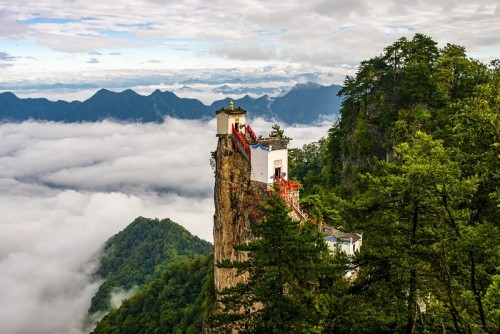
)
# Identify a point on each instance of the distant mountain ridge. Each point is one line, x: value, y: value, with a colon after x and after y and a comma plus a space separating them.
x: 304, y: 103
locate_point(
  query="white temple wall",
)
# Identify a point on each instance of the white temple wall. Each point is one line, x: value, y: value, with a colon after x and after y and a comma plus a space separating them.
x: 225, y: 121
x: 264, y: 163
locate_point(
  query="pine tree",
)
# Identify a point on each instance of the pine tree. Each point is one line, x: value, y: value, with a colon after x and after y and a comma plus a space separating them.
x: 291, y: 271
x: 420, y: 241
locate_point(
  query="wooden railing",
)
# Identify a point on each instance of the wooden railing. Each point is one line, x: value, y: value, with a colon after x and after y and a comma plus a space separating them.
x: 245, y: 139
x: 241, y: 143
x: 252, y: 134
x: 285, y: 193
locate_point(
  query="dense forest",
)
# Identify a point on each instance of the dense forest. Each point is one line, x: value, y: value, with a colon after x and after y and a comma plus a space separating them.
x: 140, y: 254
x: 177, y: 302
x: 294, y: 285
x: 414, y: 163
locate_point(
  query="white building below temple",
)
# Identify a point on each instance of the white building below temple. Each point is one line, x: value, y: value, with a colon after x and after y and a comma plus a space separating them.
x: 349, y: 243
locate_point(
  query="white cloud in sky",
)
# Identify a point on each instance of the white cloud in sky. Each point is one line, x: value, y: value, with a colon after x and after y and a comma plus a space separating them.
x: 195, y: 35
x: 66, y: 188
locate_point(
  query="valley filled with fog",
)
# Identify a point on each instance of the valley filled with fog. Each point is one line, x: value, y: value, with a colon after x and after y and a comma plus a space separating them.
x: 66, y: 188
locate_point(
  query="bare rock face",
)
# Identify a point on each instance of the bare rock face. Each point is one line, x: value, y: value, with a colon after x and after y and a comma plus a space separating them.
x: 233, y: 206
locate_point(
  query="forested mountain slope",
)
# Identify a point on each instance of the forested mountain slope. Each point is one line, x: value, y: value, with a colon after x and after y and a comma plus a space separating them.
x: 174, y: 303
x: 139, y: 254
x: 414, y: 163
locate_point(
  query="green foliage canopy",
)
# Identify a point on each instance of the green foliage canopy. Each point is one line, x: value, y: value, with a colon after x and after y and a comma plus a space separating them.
x: 139, y: 254
x: 291, y: 275
x: 413, y: 162
x: 174, y: 303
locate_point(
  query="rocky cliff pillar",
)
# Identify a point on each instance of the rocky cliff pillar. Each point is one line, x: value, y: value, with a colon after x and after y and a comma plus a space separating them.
x: 232, y: 206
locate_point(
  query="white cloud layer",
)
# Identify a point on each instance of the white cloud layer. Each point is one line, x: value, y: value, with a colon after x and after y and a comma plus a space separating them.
x: 67, y: 188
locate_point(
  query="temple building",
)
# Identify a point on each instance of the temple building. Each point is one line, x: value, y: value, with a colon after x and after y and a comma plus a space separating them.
x: 268, y: 157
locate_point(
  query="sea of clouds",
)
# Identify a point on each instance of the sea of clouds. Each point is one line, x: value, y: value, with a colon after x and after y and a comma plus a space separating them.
x: 66, y: 188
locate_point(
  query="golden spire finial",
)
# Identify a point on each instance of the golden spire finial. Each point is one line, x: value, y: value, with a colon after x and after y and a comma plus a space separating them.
x: 231, y: 105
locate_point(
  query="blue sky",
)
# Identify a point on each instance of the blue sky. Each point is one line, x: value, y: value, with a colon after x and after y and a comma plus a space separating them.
x: 106, y: 43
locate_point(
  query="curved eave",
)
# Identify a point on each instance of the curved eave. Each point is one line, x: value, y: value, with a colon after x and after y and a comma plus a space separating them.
x: 259, y: 146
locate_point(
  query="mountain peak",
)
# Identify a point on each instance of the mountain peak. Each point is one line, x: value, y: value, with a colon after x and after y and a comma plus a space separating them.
x: 102, y: 92
x: 128, y: 91
x: 307, y: 85
x: 8, y: 95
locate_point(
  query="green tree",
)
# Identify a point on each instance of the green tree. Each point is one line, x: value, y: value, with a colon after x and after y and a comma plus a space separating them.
x: 413, y: 162
x: 420, y: 245
x: 411, y: 87
x: 290, y: 270
x: 177, y: 302
x: 279, y: 133
x: 306, y: 164
x: 475, y: 132
x: 139, y: 254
